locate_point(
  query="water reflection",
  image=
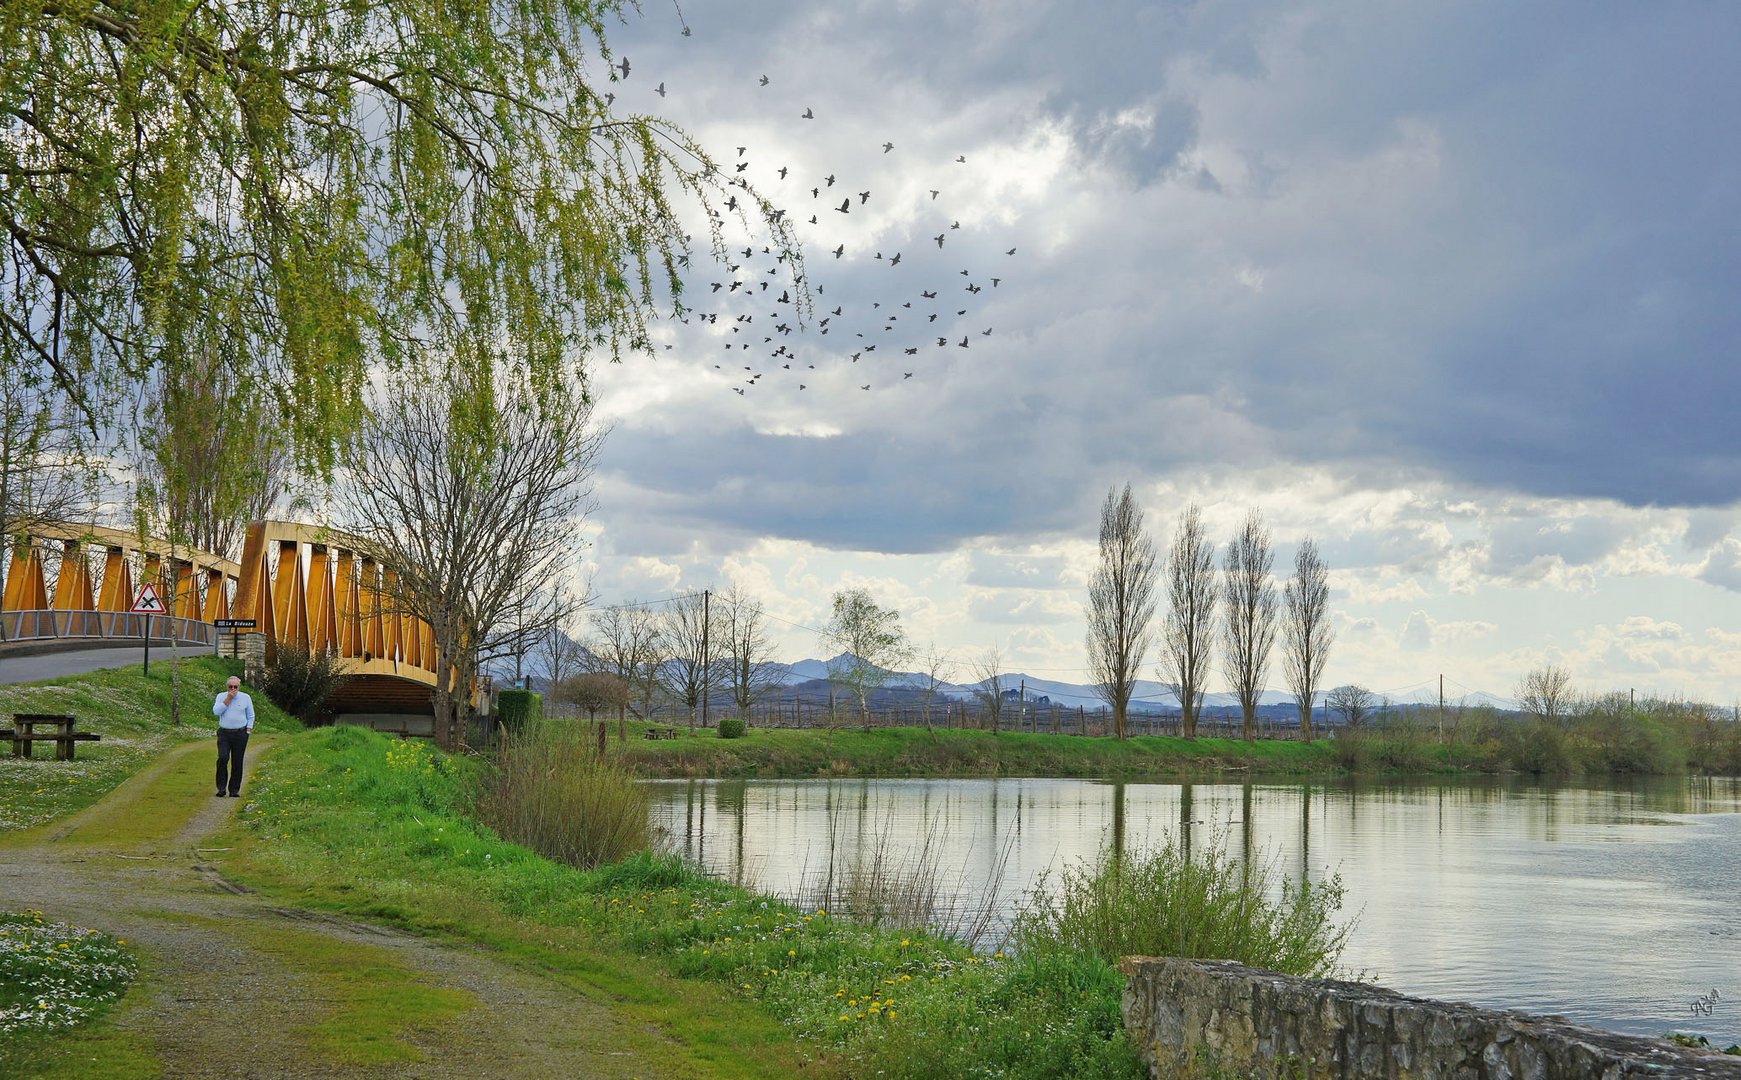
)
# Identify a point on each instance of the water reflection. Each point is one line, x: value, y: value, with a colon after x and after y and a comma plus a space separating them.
x: 1612, y: 905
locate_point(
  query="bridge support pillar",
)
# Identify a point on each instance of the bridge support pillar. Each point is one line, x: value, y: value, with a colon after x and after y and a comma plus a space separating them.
x: 253, y: 650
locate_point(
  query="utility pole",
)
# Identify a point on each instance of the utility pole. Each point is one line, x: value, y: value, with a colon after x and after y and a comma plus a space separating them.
x: 706, y: 674
x: 1441, y: 710
x: 1022, y: 715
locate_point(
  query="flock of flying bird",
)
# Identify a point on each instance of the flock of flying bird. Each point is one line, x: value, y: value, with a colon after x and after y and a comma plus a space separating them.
x: 757, y: 322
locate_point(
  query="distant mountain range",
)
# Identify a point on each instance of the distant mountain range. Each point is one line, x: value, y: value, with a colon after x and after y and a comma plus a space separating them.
x: 1149, y: 696
x: 807, y: 681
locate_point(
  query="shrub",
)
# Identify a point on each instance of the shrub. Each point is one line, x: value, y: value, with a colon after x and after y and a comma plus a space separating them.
x: 299, y: 680
x: 552, y: 791
x: 1162, y: 902
x: 517, y: 709
x: 731, y: 727
x: 1537, y: 746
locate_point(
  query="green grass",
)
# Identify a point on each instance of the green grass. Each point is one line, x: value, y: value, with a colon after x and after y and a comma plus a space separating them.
x: 787, y: 753
x: 131, y: 713
x: 340, y: 825
x: 54, y: 978
x: 368, y: 999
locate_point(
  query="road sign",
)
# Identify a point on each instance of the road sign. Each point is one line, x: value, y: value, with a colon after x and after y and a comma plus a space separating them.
x: 233, y: 624
x: 147, y: 602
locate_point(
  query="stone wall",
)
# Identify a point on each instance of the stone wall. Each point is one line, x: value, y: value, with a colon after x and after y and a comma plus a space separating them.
x: 1212, y: 1018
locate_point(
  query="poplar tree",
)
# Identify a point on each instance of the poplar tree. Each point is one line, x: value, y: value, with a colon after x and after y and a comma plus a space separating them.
x: 1121, y: 604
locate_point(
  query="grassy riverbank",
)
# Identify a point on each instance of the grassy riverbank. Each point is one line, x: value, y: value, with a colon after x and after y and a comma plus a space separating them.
x: 349, y: 821
x: 131, y: 712
x: 786, y: 753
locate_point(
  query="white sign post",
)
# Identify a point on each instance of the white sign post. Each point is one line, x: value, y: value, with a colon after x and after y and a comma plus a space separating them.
x: 148, y: 603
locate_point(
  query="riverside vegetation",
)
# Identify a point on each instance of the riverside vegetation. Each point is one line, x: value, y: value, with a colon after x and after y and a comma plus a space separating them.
x: 1607, y: 735
x: 393, y: 830
x: 349, y: 821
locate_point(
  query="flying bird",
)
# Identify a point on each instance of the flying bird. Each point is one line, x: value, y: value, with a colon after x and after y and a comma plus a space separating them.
x: 888, y: 146
x: 808, y: 115
x: 934, y: 194
x: 764, y: 80
x: 1011, y: 251
x: 863, y: 197
x: 845, y: 206
x: 660, y: 90
x: 625, y: 66
x: 839, y: 251
x: 962, y: 159
x: 782, y: 172
x: 896, y: 261
x: 939, y: 239
x: 830, y: 179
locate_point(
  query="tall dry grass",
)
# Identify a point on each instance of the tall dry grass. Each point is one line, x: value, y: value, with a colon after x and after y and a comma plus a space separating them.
x: 886, y: 883
x: 549, y: 789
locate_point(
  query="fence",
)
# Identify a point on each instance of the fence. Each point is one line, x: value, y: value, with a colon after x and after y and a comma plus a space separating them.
x: 951, y: 714
x: 46, y: 624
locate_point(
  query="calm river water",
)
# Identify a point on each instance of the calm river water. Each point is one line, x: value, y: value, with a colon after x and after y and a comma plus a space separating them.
x: 1614, y: 906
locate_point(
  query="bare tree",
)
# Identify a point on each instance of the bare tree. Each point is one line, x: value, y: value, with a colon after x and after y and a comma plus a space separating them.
x: 1352, y: 702
x: 593, y: 691
x: 935, y: 667
x: 1306, y: 631
x: 871, y: 643
x: 1188, y: 637
x: 626, y: 644
x: 559, y: 658
x: 1121, y: 604
x: 688, y: 670
x: 1546, y: 693
x: 987, y: 671
x: 1248, y: 607
x: 746, y: 655
x: 474, y: 493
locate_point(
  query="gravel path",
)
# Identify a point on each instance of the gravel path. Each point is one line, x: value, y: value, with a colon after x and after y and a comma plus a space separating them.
x: 211, y: 1003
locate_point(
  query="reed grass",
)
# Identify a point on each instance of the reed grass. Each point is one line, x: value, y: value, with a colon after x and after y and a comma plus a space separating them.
x: 1165, y: 901
x: 892, y: 886
x: 549, y: 789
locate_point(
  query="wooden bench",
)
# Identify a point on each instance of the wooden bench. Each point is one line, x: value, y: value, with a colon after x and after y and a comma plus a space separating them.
x: 24, y: 735
x: 660, y: 733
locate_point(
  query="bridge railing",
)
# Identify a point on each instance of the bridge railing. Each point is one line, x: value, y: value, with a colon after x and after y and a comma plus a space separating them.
x: 47, y: 624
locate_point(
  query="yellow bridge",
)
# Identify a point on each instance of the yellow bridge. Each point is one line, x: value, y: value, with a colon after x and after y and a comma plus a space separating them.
x: 70, y: 586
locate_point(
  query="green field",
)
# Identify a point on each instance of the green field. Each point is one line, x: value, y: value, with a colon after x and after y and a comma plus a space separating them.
x: 787, y: 753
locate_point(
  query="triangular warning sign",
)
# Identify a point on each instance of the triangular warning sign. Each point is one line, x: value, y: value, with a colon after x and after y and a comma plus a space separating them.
x: 147, y: 602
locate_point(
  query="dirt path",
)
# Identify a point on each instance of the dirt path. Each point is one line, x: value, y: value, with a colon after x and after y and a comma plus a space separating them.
x: 235, y: 986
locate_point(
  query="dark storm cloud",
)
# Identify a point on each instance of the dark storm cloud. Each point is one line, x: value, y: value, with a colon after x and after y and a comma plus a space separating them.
x: 1491, y: 245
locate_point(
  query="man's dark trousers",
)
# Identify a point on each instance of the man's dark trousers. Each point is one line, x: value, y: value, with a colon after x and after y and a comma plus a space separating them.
x: 232, y: 743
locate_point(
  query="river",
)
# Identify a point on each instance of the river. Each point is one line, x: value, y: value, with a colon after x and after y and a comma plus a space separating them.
x: 1617, y: 906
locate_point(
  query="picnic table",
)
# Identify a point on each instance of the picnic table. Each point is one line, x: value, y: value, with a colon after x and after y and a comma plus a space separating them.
x: 659, y: 733
x: 25, y: 736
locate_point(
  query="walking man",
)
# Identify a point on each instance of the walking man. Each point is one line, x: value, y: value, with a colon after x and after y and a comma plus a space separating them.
x: 235, y: 713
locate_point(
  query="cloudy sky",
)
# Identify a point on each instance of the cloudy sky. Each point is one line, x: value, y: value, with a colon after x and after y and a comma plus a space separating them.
x: 1449, y: 287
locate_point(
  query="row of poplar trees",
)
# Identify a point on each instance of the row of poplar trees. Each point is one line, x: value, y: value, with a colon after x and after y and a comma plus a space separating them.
x: 1236, y: 608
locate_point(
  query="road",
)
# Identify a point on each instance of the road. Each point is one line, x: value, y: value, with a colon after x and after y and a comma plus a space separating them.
x: 17, y: 669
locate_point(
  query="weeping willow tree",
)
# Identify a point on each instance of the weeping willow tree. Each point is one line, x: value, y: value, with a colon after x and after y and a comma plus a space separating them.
x: 308, y: 190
